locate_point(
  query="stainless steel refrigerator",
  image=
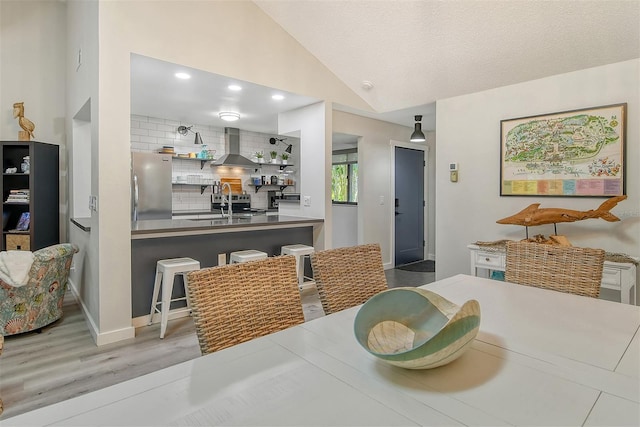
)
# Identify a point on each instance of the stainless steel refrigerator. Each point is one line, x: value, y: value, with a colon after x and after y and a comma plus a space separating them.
x: 150, y: 186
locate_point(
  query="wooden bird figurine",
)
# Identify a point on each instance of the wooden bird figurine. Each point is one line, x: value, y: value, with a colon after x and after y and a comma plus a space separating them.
x: 26, y: 124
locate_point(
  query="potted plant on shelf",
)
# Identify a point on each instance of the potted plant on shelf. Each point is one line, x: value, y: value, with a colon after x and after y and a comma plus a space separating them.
x: 285, y: 158
x: 273, y: 154
x: 259, y: 156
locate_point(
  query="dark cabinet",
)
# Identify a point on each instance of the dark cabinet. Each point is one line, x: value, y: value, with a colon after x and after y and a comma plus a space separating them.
x: 30, y: 195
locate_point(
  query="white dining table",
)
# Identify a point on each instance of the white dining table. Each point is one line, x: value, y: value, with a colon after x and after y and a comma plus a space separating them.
x: 540, y: 358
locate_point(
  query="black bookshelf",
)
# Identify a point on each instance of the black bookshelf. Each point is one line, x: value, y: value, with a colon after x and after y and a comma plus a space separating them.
x: 42, y: 185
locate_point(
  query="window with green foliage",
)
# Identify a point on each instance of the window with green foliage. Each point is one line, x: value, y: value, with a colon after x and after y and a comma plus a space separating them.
x: 344, y: 176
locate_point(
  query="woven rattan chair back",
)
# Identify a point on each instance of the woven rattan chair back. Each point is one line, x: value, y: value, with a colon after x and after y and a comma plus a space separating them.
x: 561, y: 268
x: 346, y: 277
x: 235, y: 303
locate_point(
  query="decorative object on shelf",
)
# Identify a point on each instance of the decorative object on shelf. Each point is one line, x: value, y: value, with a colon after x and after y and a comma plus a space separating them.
x: 205, y: 154
x: 27, y: 125
x: 23, y: 222
x: 25, y: 166
x: 183, y: 130
x: 285, y: 158
x: 570, y: 153
x: 415, y: 328
x: 417, y: 135
x: 533, y: 215
x: 259, y: 156
x: 274, y: 155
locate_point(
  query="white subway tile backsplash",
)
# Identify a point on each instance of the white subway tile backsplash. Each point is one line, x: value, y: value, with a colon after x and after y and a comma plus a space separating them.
x: 139, y: 146
x: 156, y: 133
x: 148, y: 139
x: 166, y: 128
x: 139, y: 118
x: 138, y: 131
x: 151, y: 126
x: 156, y: 120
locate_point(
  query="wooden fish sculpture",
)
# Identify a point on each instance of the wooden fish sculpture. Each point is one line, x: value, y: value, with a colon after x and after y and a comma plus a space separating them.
x: 533, y: 215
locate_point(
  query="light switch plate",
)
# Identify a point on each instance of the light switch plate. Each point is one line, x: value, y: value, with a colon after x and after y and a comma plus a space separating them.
x: 307, y: 200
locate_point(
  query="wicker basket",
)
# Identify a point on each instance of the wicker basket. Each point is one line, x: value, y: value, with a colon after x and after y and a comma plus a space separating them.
x: 18, y: 242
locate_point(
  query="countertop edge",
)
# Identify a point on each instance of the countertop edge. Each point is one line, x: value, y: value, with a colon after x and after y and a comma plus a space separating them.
x: 179, y: 227
x: 82, y: 223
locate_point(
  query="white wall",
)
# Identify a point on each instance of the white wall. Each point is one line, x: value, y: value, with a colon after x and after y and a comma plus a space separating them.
x: 469, y: 133
x: 269, y: 57
x: 32, y: 70
x: 345, y: 225
x: 310, y: 125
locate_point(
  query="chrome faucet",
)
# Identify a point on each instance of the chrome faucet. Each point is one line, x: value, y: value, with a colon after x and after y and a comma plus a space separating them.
x: 226, y: 199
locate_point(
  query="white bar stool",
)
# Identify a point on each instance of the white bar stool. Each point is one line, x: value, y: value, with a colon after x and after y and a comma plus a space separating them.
x: 300, y: 252
x: 166, y: 270
x: 248, y: 255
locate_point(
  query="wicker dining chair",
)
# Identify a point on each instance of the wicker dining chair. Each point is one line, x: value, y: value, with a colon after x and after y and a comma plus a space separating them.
x: 561, y: 268
x: 349, y: 276
x: 235, y: 303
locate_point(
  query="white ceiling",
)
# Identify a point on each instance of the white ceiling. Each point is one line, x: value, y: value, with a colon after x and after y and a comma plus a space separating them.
x: 413, y: 52
x: 156, y: 92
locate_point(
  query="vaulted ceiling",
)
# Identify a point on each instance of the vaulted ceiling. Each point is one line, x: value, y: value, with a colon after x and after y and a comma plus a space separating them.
x: 416, y: 52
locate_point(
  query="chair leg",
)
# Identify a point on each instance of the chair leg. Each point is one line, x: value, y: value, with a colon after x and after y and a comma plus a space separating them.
x: 167, y: 288
x: 299, y: 265
x: 154, y: 298
x: 186, y: 292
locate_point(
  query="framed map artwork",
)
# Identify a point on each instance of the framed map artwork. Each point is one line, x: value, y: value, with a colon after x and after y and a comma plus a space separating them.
x: 572, y: 153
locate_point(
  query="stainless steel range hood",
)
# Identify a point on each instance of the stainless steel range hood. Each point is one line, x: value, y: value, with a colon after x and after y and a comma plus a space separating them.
x: 232, y: 149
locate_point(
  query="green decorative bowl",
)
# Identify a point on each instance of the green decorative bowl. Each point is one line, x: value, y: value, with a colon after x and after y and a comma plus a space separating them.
x: 416, y: 329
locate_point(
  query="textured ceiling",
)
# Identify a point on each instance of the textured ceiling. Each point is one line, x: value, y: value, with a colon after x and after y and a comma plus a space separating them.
x: 416, y: 52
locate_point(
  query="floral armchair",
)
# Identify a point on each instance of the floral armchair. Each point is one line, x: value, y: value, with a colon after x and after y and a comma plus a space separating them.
x: 39, y: 302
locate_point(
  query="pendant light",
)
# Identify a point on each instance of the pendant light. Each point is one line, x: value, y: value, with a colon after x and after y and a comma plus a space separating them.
x: 417, y: 135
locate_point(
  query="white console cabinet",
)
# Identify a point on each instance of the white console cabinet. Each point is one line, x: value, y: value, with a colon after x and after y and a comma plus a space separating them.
x: 619, y: 276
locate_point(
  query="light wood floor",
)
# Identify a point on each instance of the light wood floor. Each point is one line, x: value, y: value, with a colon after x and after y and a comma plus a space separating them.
x: 62, y: 362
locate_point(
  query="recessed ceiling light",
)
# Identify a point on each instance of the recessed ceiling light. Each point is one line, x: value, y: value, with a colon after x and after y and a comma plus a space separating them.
x: 235, y: 87
x: 229, y: 116
x: 183, y: 76
x: 277, y: 97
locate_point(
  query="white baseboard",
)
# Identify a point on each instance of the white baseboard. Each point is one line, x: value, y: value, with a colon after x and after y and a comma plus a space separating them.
x: 100, y: 338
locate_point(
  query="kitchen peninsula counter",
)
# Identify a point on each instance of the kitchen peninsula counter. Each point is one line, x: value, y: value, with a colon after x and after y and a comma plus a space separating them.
x: 207, y: 241
x: 183, y: 227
